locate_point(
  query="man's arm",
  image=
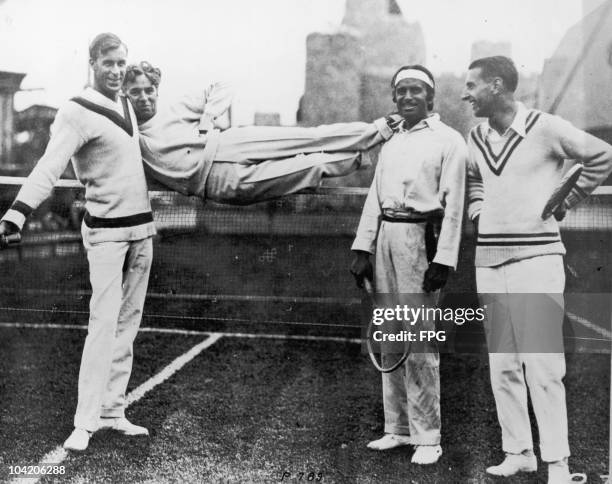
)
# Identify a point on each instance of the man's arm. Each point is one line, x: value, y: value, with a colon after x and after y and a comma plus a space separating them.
x: 367, y: 233
x: 65, y: 141
x: 593, y: 153
x: 451, y: 193
x: 210, y: 103
x: 475, y: 191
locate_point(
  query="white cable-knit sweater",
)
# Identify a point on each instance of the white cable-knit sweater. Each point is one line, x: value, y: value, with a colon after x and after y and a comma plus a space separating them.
x: 101, y: 137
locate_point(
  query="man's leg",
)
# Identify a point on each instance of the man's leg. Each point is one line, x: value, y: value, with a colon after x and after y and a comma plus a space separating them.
x: 506, y: 372
x: 105, y: 264
x: 239, y: 183
x: 135, y: 280
x: 395, y: 402
x: 412, y: 393
x: 542, y: 279
x: 253, y: 144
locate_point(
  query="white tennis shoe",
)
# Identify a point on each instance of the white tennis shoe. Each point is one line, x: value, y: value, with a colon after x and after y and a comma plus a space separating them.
x: 426, y: 454
x: 389, y: 441
x: 122, y: 425
x: 558, y: 473
x: 513, y: 464
x: 78, y: 440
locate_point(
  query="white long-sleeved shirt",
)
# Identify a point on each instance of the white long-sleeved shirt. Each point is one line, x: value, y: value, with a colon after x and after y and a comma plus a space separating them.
x: 170, y: 141
x: 101, y: 137
x: 420, y: 171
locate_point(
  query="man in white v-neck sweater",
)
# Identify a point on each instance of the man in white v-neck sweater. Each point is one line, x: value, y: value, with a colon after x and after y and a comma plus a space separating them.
x: 98, y: 130
x: 516, y: 160
x: 182, y: 150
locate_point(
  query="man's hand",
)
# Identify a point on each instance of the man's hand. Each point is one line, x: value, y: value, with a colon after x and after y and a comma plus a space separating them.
x: 8, y: 228
x: 361, y: 267
x: 394, y: 121
x: 435, y: 277
x: 9, y: 234
x: 560, y: 212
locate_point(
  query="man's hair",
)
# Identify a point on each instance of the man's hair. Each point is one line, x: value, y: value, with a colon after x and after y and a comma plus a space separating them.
x: 498, y: 66
x: 142, y: 69
x: 427, y: 72
x: 103, y: 43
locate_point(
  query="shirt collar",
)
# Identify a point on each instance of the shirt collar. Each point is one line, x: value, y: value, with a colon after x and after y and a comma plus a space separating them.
x: 518, y: 124
x: 432, y: 122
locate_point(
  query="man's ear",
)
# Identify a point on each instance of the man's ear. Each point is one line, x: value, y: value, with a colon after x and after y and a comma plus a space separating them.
x: 91, y: 62
x: 498, y: 85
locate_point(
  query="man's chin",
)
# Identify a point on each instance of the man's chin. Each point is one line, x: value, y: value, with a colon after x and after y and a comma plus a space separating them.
x: 143, y: 117
x: 413, y: 118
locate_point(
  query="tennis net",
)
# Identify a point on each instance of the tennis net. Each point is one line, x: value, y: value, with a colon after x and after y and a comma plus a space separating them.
x: 275, y: 266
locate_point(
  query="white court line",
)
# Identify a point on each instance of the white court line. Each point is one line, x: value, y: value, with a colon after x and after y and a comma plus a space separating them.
x: 348, y: 301
x: 59, y: 454
x: 189, y: 332
x: 193, y: 318
x: 593, y: 327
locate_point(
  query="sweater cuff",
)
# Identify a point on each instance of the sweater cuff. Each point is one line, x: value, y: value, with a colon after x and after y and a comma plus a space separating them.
x: 446, y: 258
x: 383, y: 128
x: 364, y: 245
x: 15, y: 217
x: 575, y: 197
x: 474, y: 209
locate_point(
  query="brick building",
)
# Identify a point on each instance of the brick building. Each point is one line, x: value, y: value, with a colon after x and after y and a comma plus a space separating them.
x: 9, y: 85
x: 348, y: 72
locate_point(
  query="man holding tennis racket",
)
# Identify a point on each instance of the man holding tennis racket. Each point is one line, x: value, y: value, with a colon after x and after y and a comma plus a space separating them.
x: 98, y: 131
x: 516, y: 160
x: 419, y: 184
x: 183, y: 151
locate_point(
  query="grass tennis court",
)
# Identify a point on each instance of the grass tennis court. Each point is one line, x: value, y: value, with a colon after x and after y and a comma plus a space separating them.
x: 247, y: 410
x: 286, y: 388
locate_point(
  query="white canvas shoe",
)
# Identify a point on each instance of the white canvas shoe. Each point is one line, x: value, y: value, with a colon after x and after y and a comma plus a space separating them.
x: 78, y: 440
x: 426, y: 454
x: 514, y: 463
x: 558, y: 473
x: 389, y: 441
x: 122, y: 425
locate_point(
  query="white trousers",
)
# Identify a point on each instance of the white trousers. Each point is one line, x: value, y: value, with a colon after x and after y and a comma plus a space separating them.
x: 256, y: 163
x: 119, y: 275
x: 514, y: 325
x: 411, y: 394
x: 237, y: 183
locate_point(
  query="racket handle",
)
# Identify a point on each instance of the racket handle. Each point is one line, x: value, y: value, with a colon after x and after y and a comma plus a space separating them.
x: 367, y: 284
x: 9, y: 240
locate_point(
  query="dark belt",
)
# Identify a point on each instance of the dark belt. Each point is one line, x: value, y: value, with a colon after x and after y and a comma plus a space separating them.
x: 414, y: 220
x: 432, y: 231
x: 117, y: 222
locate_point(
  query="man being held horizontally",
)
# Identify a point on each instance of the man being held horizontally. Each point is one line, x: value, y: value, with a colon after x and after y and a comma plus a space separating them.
x: 182, y: 151
x: 419, y: 180
x: 516, y: 160
x: 98, y: 131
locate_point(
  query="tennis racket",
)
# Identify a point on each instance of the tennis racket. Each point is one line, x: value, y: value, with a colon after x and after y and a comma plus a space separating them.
x: 9, y: 240
x: 379, y: 365
x: 560, y: 193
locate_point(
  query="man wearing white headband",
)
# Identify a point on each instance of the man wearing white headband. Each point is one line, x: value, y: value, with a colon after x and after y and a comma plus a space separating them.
x: 418, y: 190
x: 182, y: 149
